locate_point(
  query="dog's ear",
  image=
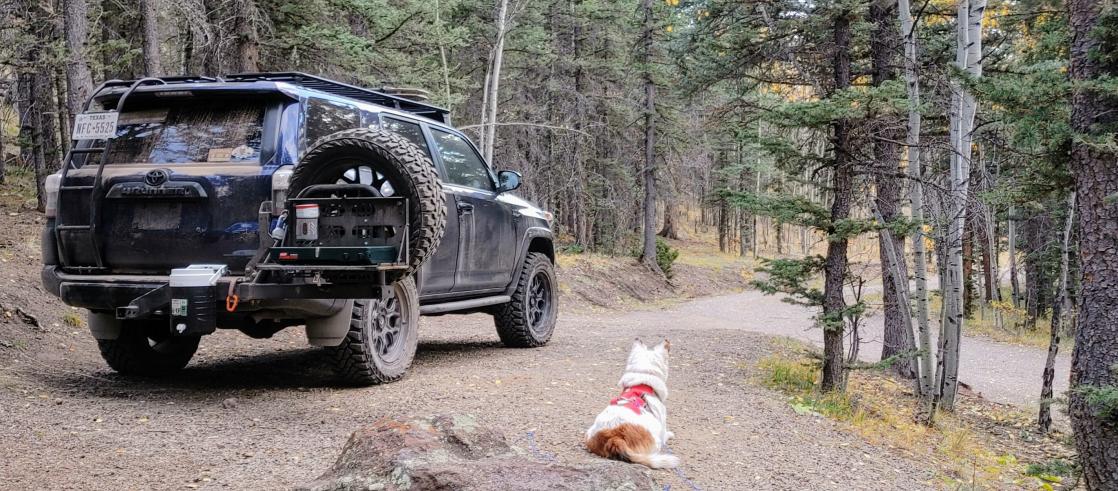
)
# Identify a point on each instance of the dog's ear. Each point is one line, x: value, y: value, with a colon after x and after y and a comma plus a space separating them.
x: 664, y: 346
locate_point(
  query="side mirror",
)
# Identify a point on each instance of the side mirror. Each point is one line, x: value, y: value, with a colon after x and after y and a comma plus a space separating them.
x: 508, y: 180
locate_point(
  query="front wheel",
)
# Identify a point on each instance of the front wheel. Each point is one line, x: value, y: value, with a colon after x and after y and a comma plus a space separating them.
x: 383, y: 334
x: 147, y: 347
x: 528, y: 320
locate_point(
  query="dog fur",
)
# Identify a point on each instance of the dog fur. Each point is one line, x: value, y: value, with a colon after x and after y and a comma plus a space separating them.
x: 620, y: 433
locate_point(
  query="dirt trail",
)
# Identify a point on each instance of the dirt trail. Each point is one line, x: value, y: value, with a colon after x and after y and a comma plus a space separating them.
x: 264, y: 414
x: 1001, y: 372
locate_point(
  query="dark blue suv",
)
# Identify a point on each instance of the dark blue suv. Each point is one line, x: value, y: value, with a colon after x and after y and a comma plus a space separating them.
x: 264, y: 201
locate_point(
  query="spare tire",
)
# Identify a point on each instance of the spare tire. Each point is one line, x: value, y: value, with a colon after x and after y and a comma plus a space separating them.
x: 391, y: 164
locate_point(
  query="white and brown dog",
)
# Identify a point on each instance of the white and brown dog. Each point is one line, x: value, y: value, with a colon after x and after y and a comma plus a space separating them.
x: 634, y: 426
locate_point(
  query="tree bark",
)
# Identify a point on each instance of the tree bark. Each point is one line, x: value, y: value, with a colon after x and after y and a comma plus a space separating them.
x: 1093, y: 116
x: 926, y: 363
x: 1044, y: 419
x: 967, y: 57
x: 79, y: 80
x: 248, y: 39
x: 842, y: 184
x: 149, y: 20
x: 648, y: 171
x: 1037, y: 281
x: 1011, y: 233
x: 669, y: 230
x: 897, y: 338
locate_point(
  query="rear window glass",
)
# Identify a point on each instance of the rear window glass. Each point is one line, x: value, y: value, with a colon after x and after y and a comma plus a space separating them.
x: 190, y: 131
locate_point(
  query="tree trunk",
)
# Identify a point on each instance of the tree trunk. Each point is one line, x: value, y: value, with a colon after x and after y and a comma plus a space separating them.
x: 494, y: 81
x: 149, y: 19
x: 1011, y: 233
x: 897, y: 338
x: 669, y: 231
x: 967, y: 57
x: 1095, y: 356
x: 648, y: 254
x: 1044, y: 419
x: 842, y: 185
x: 248, y: 39
x: 916, y: 196
x: 1037, y: 282
x: 79, y: 80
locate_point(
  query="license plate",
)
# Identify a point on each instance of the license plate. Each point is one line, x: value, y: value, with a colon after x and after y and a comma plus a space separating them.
x: 95, y: 126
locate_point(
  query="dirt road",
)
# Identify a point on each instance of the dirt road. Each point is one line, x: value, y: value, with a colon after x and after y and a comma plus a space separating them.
x: 1001, y: 372
x: 264, y: 414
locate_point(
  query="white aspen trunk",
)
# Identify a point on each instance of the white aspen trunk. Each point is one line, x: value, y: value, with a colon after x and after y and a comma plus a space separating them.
x: 968, y: 58
x: 442, y: 52
x: 495, y: 81
x: 1014, y: 287
x: 1044, y: 419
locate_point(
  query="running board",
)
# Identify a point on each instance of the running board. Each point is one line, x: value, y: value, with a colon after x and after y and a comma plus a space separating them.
x: 442, y: 308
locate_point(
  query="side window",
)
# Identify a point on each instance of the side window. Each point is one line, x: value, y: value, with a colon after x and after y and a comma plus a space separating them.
x: 408, y: 130
x: 325, y: 117
x: 463, y: 165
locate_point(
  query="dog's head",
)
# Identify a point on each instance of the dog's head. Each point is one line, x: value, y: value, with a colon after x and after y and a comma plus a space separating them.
x: 650, y: 360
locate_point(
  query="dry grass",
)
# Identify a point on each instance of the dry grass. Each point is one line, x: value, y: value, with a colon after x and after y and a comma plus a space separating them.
x: 18, y: 190
x: 981, y: 445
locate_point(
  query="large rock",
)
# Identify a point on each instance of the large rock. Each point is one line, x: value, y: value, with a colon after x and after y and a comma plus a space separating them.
x: 453, y: 452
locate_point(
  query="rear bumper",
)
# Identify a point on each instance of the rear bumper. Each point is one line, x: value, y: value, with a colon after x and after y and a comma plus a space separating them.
x: 107, y: 292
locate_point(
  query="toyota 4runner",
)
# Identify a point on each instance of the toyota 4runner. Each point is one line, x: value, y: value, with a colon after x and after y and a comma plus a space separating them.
x: 265, y: 201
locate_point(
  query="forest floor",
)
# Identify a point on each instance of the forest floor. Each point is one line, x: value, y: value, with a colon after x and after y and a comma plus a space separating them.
x: 267, y: 414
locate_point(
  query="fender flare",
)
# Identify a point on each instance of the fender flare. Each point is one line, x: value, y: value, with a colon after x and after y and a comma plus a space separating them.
x: 522, y: 253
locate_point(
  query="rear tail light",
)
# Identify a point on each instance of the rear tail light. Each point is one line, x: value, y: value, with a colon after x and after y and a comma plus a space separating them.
x: 281, y: 183
x: 50, y: 186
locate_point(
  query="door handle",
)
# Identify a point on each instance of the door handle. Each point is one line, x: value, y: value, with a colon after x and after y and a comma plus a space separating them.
x: 465, y: 208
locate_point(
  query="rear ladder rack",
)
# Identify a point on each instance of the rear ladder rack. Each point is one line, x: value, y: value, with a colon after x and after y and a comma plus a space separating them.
x: 95, y: 188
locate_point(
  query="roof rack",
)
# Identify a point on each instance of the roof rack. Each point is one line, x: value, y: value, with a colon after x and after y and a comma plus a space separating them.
x: 400, y: 102
x: 403, y: 101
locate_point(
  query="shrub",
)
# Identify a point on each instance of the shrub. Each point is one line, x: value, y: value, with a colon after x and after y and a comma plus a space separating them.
x: 665, y: 256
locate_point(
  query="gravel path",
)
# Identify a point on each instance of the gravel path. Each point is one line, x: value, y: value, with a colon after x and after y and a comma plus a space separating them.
x: 263, y: 414
x: 1001, y: 372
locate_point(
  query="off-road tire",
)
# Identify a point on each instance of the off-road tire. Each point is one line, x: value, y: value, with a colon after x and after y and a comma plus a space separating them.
x: 134, y: 352
x: 514, y: 320
x: 408, y: 168
x: 359, y: 360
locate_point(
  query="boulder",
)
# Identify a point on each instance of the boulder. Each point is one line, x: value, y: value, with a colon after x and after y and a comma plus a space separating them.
x: 453, y: 452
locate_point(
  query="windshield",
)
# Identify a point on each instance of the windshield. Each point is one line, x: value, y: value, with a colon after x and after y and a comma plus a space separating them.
x: 189, y: 131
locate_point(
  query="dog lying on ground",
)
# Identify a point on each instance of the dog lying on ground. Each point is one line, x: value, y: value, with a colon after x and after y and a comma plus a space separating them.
x: 633, y: 427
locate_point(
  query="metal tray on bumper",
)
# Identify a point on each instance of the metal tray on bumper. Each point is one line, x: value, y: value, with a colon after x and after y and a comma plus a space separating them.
x: 354, y: 236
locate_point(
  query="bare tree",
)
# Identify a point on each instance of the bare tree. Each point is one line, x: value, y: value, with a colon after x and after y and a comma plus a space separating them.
x: 1044, y: 420
x: 493, y: 82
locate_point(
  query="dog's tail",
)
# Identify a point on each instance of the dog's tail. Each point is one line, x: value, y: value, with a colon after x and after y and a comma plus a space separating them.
x: 631, y: 443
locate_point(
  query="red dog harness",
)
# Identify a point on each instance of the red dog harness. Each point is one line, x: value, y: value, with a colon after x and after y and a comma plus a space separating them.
x: 633, y: 397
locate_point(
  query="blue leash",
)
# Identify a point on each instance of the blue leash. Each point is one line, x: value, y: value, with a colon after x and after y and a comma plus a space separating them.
x: 682, y: 476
